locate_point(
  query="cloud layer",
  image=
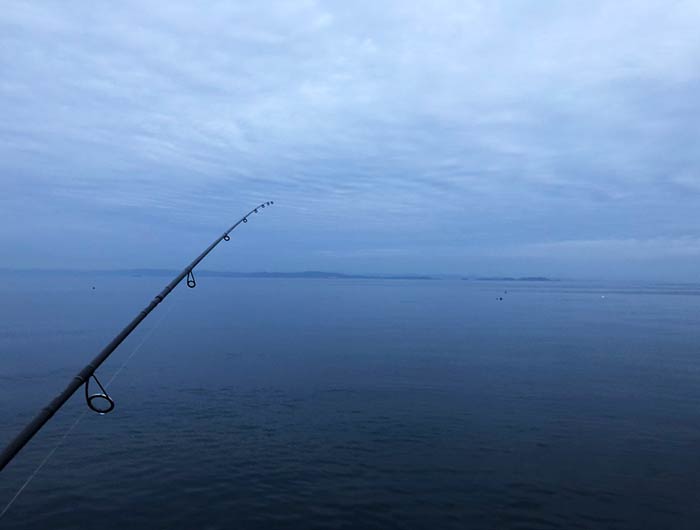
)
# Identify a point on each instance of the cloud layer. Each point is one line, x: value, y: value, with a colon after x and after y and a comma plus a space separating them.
x: 410, y: 126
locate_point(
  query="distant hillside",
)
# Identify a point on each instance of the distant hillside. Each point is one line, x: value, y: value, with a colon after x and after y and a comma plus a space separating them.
x: 311, y: 275
x: 314, y: 275
x: 511, y: 279
x: 222, y: 274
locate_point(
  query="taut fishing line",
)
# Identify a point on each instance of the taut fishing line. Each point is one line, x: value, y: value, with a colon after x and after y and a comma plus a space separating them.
x: 82, y: 414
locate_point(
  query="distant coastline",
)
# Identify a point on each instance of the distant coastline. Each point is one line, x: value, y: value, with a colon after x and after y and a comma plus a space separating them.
x: 319, y: 275
x: 224, y: 274
x: 512, y: 279
x: 316, y: 275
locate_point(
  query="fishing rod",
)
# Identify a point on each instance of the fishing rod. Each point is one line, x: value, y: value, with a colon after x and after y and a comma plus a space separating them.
x: 83, y: 377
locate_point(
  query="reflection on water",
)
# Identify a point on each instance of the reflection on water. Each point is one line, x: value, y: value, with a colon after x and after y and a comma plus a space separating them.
x: 359, y: 404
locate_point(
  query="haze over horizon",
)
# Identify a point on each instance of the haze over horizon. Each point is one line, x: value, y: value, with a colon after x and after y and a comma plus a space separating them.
x: 500, y: 138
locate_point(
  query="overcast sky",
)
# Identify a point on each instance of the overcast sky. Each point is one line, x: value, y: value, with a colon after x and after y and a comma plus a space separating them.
x: 493, y: 137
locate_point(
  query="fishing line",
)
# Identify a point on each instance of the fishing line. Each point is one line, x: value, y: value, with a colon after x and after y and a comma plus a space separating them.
x: 41, y: 465
x: 131, y: 355
x: 82, y: 414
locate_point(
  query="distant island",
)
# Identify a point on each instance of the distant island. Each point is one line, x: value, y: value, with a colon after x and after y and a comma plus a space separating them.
x: 315, y: 275
x: 511, y: 279
x: 222, y: 274
x: 311, y: 275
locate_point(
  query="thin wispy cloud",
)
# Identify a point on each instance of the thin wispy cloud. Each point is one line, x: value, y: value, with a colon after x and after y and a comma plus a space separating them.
x: 391, y: 125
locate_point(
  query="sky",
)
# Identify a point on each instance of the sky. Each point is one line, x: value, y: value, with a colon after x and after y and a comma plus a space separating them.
x: 499, y: 137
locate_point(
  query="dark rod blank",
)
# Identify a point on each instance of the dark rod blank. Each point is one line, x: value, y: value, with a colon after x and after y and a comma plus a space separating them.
x: 84, y: 375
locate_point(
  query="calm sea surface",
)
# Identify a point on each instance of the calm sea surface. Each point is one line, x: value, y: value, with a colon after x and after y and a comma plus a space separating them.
x: 275, y: 403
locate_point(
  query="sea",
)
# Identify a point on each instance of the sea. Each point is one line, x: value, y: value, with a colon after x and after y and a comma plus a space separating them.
x: 301, y: 403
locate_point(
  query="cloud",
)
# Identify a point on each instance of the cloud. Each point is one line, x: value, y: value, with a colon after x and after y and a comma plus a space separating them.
x: 388, y: 122
x: 636, y: 249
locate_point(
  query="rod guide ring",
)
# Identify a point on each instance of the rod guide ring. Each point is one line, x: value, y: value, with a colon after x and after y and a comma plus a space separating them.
x: 102, y: 395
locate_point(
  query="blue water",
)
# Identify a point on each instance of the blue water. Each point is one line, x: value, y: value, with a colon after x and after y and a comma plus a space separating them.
x: 275, y: 403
